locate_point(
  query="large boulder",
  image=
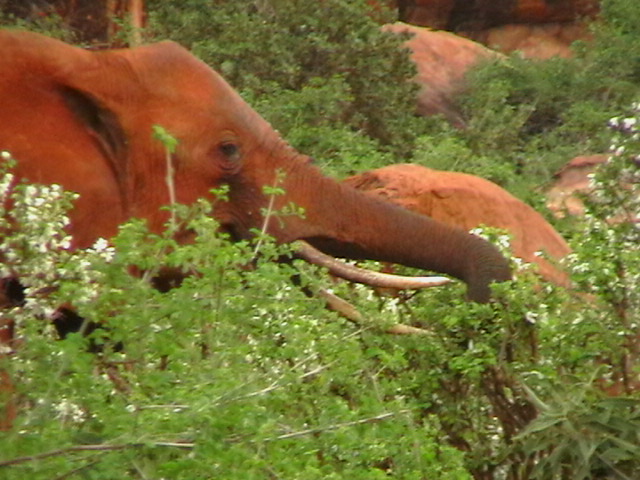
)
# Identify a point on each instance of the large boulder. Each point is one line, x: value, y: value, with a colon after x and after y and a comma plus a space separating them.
x: 469, y: 201
x: 442, y: 60
x: 536, y: 41
x: 457, y: 15
x: 536, y: 28
x: 569, y: 183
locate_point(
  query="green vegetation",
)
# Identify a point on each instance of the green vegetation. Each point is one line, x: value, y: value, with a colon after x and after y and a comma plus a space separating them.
x: 233, y: 374
x: 236, y: 374
x: 51, y: 25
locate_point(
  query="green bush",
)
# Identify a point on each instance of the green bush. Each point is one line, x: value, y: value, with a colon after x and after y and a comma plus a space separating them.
x: 235, y: 373
x: 50, y: 24
x: 581, y: 433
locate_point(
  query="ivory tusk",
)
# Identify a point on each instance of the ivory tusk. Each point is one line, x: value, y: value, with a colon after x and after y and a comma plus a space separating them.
x: 348, y: 311
x: 362, y: 275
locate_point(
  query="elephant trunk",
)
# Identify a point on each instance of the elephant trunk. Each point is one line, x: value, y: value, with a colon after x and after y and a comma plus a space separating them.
x: 485, y: 264
x: 344, y: 222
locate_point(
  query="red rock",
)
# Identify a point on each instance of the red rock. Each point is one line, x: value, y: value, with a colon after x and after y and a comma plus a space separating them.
x: 469, y: 201
x: 427, y: 13
x: 535, y: 41
x: 442, y: 60
x: 569, y: 181
x: 537, y: 11
x: 458, y: 15
x: 537, y: 28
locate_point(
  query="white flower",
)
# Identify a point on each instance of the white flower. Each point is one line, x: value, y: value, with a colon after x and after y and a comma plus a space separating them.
x: 67, y: 411
x: 531, y: 317
x: 629, y: 123
x: 100, y: 245
x: 5, y: 183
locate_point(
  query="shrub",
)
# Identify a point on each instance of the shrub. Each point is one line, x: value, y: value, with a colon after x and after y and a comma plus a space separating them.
x: 527, y: 387
x: 235, y: 373
x: 51, y: 24
x: 580, y: 432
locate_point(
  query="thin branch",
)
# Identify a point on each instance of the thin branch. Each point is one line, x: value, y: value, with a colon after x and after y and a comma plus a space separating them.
x: 265, y: 223
x: 277, y: 382
x: 93, y: 448
x: 348, y: 311
x: 170, y: 180
x: 139, y: 470
x: 275, y: 385
x: 337, y: 426
x: 185, y: 445
x: 190, y: 446
x: 612, y: 467
x: 171, y: 407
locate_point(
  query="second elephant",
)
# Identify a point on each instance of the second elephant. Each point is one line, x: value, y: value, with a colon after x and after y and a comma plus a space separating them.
x: 468, y: 201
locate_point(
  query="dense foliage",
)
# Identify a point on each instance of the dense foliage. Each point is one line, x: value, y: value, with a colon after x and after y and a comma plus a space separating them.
x: 237, y: 374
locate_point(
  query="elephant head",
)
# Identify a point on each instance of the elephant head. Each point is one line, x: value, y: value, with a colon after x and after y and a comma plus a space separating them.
x: 84, y: 120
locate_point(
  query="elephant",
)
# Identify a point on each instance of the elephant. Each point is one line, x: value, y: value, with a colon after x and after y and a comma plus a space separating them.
x: 84, y: 119
x: 469, y: 201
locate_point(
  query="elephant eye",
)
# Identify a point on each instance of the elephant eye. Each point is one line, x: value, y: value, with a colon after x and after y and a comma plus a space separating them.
x: 230, y: 150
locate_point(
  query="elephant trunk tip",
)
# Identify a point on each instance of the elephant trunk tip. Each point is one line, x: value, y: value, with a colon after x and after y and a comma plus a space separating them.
x: 491, y: 267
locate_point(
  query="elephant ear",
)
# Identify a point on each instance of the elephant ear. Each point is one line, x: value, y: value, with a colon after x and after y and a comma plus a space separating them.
x: 92, y: 91
x: 103, y: 125
x: 110, y: 93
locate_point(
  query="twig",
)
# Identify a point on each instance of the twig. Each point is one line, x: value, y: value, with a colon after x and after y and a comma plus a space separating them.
x: 172, y: 407
x: 275, y: 385
x: 190, y: 446
x: 171, y: 187
x: 93, y: 448
x: 139, y: 470
x: 265, y: 224
x: 337, y: 426
x: 348, y: 311
x: 612, y: 467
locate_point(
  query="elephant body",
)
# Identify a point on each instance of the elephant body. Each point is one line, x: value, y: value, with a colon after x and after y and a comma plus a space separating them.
x: 84, y: 119
x: 468, y: 201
